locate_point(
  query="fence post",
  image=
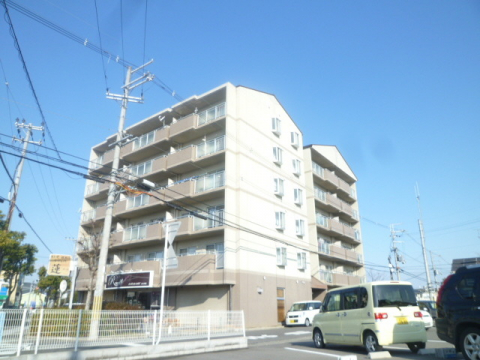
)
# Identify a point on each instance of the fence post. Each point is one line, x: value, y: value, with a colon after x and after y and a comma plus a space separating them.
x: 79, y: 326
x: 40, y: 323
x: 22, y: 329
x: 208, y: 325
x: 154, y: 326
x: 243, y: 323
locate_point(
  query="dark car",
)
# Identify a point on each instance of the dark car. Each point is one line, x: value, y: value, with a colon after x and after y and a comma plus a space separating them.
x: 428, y: 306
x: 458, y: 311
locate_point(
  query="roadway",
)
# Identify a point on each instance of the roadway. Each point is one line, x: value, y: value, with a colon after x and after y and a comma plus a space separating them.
x: 296, y: 343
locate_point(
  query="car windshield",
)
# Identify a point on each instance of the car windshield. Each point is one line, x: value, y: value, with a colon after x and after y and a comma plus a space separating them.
x: 298, y: 307
x: 394, y: 295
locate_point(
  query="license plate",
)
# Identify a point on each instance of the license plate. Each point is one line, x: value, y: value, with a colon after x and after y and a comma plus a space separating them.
x: 293, y: 321
x: 402, y: 320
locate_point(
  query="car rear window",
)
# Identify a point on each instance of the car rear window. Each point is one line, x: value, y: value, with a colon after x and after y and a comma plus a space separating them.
x: 298, y: 307
x: 393, y: 295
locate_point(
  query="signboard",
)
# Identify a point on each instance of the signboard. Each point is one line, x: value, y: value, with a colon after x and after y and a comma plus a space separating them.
x: 130, y: 280
x: 59, y: 265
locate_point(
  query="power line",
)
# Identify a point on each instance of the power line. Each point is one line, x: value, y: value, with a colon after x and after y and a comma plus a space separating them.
x: 20, y: 54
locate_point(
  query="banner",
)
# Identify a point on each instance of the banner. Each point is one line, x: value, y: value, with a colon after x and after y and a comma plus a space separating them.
x: 171, y: 230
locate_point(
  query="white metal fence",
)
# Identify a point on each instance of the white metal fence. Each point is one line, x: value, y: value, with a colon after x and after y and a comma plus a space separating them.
x: 47, y: 329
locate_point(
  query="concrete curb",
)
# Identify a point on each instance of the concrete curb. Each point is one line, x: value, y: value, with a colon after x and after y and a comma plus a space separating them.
x: 144, y: 352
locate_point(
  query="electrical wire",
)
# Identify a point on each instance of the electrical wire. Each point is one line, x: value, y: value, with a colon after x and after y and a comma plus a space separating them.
x: 101, y: 47
x: 22, y: 215
x: 27, y: 74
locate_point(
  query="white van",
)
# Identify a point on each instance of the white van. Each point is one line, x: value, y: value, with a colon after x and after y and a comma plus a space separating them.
x: 371, y: 314
x: 302, y: 313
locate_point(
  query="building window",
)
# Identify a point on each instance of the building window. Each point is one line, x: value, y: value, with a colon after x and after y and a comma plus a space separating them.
x: 295, y: 139
x: 281, y: 256
x: 142, y: 169
x: 321, y: 220
x: 135, y: 233
x: 156, y: 255
x: 297, y: 169
x: 280, y: 220
x: 276, y: 126
x: 301, y: 260
x: 210, y: 147
x: 277, y: 155
x: 278, y: 186
x: 211, y: 114
x: 300, y: 227
x: 134, y: 258
x: 144, y: 140
x: 210, y: 181
x: 298, y: 196
x: 320, y: 194
x: 136, y: 201
x: 357, y: 235
x: 188, y: 251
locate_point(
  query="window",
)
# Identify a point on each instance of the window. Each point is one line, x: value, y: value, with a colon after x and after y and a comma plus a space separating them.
x: 321, y: 220
x: 295, y: 139
x: 281, y: 256
x: 143, y: 168
x: 357, y: 235
x: 276, y: 126
x: 210, y: 249
x: 296, y: 167
x: 188, y: 251
x: 278, y: 186
x: 211, y: 146
x: 156, y: 255
x: 210, y: 181
x: 320, y: 194
x: 350, y: 299
x: 144, y: 140
x: 135, y: 233
x: 277, y: 155
x: 300, y: 227
x: 136, y: 201
x: 211, y: 114
x: 280, y: 220
x: 332, y: 303
x: 301, y: 260
x: 135, y: 257
x: 298, y: 196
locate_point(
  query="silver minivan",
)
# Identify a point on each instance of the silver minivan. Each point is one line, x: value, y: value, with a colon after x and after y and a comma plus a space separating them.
x: 372, y: 314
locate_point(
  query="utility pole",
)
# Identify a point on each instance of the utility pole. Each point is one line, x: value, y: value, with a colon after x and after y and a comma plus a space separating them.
x: 435, y: 273
x: 102, y: 261
x: 422, y: 237
x: 396, y: 256
x: 28, y: 130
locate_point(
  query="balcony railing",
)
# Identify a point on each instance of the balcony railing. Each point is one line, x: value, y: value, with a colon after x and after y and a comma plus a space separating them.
x: 326, y: 276
x: 211, y: 114
x: 211, y: 146
x: 209, y: 182
x: 215, y: 219
x: 88, y: 215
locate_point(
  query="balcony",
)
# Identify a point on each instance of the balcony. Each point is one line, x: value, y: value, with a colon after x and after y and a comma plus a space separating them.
x: 179, y: 128
x: 146, y: 145
x: 96, y: 191
x: 336, y: 229
x: 204, y: 269
x: 345, y: 190
x: 94, y: 215
x: 182, y: 160
x: 345, y: 279
x: 340, y: 253
x: 103, y: 163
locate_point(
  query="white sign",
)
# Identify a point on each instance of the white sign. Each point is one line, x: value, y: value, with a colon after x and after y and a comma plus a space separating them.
x: 63, y: 286
x: 171, y: 230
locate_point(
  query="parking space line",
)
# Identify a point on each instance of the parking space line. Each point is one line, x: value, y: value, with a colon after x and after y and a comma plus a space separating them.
x: 314, y: 352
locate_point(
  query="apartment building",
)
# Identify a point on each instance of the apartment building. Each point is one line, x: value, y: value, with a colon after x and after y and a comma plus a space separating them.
x: 230, y: 166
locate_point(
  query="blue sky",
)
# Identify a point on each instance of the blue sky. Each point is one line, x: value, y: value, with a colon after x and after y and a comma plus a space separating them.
x: 394, y: 85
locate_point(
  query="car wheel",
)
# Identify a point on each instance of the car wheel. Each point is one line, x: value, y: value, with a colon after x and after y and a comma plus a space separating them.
x: 318, y: 339
x: 371, y: 342
x: 470, y: 343
x: 414, y: 347
x: 307, y: 322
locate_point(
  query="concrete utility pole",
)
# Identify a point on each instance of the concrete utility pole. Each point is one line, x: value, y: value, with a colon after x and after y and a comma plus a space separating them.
x: 397, y: 257
x: 28, y: 130
x: 125, y: 98
x: 422, y: 237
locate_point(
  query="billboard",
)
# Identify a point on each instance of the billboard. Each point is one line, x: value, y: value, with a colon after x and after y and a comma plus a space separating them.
x: 130, y: 280
x: 59, y: 265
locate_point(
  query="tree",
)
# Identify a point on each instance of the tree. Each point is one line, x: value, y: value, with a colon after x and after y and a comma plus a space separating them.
x: 9, y: 240
x: 20, y: 261
x: 88, y: 250
x: 50, y: 284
